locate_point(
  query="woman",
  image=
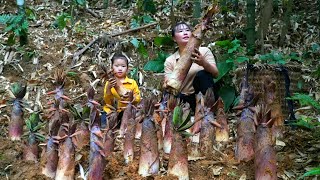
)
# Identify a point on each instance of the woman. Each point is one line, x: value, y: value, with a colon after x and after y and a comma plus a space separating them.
x: 202, y: 71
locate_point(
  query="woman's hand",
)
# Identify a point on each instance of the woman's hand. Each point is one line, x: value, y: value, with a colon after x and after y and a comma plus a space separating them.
x: 197, y: 58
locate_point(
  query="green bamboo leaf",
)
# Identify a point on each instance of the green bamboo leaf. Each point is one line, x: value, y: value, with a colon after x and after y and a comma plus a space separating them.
x: 28, y: 124
x: 186, y: 134
x: 72, y: 74
x: 187, y: 126
x: 39, y: 126
x: 312, y: 172
x: 40, y: 137
x: 177, y: 115
x: 185, y: 117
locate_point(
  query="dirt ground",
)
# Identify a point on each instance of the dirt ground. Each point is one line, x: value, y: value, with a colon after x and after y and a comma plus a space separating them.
x: 297, y: 152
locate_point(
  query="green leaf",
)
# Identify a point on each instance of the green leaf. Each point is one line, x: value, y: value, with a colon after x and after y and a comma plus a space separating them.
x: 135, y: 42
x: 81, y: 2
x: 39, y: 126
x: 5, y: 18
x: 149, y: 6
x: 40, y: 137
x: 305, y: 100
x: 304, y: 123
x: 31, y: 15
x: 147, y: 19
x: 72, y: 74
x: 294, y: 56
x: 315, y: 47
x: 177, y: 116
x: 230, y: 60
x: 62, y: 20
x: 16, y: 88
x: 185, y: 127
x: 242, y: 59
x: 163, y: 41
x: 133, y: 74
x: 186, y: 134
x: 224, y: 69
x: 227, y: 93
x: 312, y: 172
x: 185, y: 119
x: 134, y: 23
x: 11, y: 40
x: 265, y: 57
x: 316, y: 73
x: 223, y: 44
x: 154, y: 66
x: 142, y: 51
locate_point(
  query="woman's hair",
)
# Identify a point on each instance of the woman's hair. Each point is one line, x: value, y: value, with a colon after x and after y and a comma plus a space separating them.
x: 178, y: 25
x: 119, y: 56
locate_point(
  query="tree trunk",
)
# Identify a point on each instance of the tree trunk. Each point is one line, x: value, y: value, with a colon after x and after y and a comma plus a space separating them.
x: 319, y: 19
x: 251, y: 22
x: 172, y: 18
x: 264, y: 22
x: 286, y: 21
x: 196, y: 12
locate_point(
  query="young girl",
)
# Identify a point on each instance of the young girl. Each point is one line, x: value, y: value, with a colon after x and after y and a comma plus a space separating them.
x: 119, y: 64
x: 203, y: 69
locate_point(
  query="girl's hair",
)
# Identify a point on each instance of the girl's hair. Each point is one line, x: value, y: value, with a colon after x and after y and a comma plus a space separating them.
x: 119, y: 56
x: 176, y: 27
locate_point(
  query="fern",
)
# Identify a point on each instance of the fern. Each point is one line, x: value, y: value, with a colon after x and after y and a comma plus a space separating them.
x: 17, y: 24
x: 306, y: 100
x: 4, y: 18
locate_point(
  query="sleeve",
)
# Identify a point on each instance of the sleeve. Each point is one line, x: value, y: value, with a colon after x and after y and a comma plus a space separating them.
x: 168, y: 68
x: 136, y: 92
x: 107, y: 99
x: 208, y: 55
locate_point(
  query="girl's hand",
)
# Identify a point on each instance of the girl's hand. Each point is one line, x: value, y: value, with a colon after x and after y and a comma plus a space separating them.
x: 197, y: 57
x: 111, y: 83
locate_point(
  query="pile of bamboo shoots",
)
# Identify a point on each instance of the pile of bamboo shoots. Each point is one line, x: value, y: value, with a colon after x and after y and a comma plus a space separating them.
x: 158, y: 128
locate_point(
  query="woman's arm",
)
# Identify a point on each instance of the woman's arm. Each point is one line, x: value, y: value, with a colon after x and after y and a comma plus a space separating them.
x: 205, y: 60
x: 168, y: 69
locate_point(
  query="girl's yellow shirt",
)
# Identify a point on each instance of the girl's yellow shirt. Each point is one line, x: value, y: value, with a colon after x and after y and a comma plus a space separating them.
x: 129, y: 84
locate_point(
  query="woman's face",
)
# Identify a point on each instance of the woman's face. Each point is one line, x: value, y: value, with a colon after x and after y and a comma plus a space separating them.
x: 182, y: 34
x: 120, y: 68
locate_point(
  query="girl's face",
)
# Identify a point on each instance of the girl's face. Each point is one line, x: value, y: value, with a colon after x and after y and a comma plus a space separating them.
x: 182, y: 34
x: 120, y: 68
